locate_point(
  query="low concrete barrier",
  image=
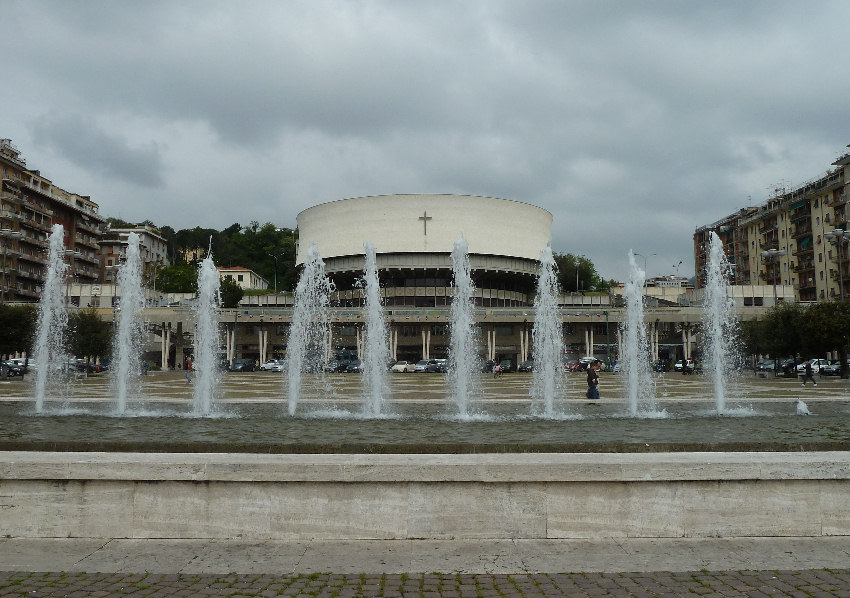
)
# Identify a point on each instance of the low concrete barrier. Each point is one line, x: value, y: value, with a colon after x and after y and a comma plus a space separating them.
x: 336, y: 496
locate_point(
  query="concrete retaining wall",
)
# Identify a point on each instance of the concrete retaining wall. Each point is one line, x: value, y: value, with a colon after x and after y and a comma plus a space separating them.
x: 292, y: 497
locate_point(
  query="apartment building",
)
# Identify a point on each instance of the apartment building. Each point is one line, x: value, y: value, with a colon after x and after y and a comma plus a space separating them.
x: 795, y: 239
x: 30, y: 205
x: 153, y: 250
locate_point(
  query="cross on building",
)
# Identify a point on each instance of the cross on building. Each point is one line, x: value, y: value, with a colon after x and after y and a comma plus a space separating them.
x: 425, y: 218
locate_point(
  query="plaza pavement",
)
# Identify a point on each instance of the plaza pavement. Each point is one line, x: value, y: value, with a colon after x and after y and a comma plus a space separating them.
x: 600, y: 567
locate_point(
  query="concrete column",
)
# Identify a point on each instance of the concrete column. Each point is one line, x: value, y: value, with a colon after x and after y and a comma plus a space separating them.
x: 424, y: 349
x: 521, y: 353
x: 260, y: 346
x: 164, y: 348
x: 619, y: 343
x: 590, y: 345
x: 395, y: 343
x: 329, y: 348
x: 428, y: 343
x: 359, y: 342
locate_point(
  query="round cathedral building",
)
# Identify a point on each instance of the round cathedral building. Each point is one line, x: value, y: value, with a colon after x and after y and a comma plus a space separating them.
x: 414, y: 235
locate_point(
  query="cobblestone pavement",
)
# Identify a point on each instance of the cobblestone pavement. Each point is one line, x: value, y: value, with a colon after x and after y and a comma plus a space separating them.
x: 809, y: 582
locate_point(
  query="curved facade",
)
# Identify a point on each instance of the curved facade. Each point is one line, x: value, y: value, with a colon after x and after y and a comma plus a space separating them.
x: 414, y: 236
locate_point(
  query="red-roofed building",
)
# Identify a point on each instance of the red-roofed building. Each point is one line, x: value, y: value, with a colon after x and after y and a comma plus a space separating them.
x: 244, y: 277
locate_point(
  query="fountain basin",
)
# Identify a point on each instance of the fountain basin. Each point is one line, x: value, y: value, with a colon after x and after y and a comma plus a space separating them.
x: 508, y: 495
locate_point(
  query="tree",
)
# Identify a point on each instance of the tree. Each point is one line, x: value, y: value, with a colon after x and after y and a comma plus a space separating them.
x: 179, y: 278
x: 231, y: 293
x: 780, y: 330
x: 88, y: 335
x: 577, y: 273
x: 826, y: 328
x: 17, y: 328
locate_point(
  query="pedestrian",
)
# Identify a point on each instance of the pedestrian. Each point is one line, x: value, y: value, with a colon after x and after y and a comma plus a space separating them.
x: 188, y: 368
x: 809, y: 375
x: 593, y: 380
x: 497, y: 370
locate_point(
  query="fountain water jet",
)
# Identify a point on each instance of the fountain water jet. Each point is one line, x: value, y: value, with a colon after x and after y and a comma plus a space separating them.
x: 52, y: 318
x: 719, y: 322
x: 547, y: 339
x: 309, y: 334
x: 635, y: 346
x: 376, y: 350
x: 463, y: 348
x: 206, y: 337
x: 128, y: 338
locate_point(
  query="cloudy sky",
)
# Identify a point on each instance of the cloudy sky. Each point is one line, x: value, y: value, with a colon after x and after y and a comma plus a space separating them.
x: 632, y: 122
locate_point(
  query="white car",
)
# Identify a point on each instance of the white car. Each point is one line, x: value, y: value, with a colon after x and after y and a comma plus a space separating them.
x: 275, y: 365
x: 402, y: 366
x: 816, y: 366
x: 687, y: 363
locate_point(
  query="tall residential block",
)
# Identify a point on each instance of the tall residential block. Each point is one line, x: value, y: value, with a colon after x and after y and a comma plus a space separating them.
x: 30, y: 205
x: 789, y: 240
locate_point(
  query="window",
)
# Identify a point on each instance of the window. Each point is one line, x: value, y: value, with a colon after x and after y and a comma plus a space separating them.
x: 239, y: 277
x: 820, y: 257
x: 504, y: 330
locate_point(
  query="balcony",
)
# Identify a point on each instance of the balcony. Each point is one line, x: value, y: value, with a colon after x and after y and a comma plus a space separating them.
x: 43, y: 243
x: 767, y: 228
x: 805, y: 266
x: 93, y: 259
x: 11, y: 198
x: 767, y: 245
x: 802, y: 229
x: 38, y: 225
x: 22, y: 273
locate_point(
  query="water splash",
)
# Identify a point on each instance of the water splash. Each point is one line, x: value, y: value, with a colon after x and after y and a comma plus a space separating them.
x: 463, y: 352
x: 802, y: 408
x: 206, y: 337
x: 127, y: 343
x: 52, y: 320
x: 719, y: 323
x: 376, y: 348
x: 641, y: 394
x: 547, y: 382
x: 309, y: 334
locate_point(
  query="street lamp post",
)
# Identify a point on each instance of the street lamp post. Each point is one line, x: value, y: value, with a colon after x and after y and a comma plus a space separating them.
x: 839, y: 236
x: 773, y: 255
x: 275, y: 257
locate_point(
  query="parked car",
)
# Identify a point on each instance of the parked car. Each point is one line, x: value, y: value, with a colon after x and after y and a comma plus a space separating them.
x: 572, y: 365
x: 487, y: 366
x: 12, y: 369
x: 402, y: 366
x: 833, y: 369
x: 526, y: 366
x: 354, y: 367
x: 766, y: 365
x: 242, y: 365
x: 421, y: 366
x: 437, y: 366
x: 267, y: 366
x: 684, y: 364
x: 817, y: 364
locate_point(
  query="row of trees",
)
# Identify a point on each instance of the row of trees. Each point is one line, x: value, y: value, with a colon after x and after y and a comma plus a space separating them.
x: 796, y: 329
x: 86, y: 333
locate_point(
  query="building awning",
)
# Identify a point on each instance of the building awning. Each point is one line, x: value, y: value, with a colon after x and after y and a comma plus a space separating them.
x: 797, y: 204
x: 804, y: 242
